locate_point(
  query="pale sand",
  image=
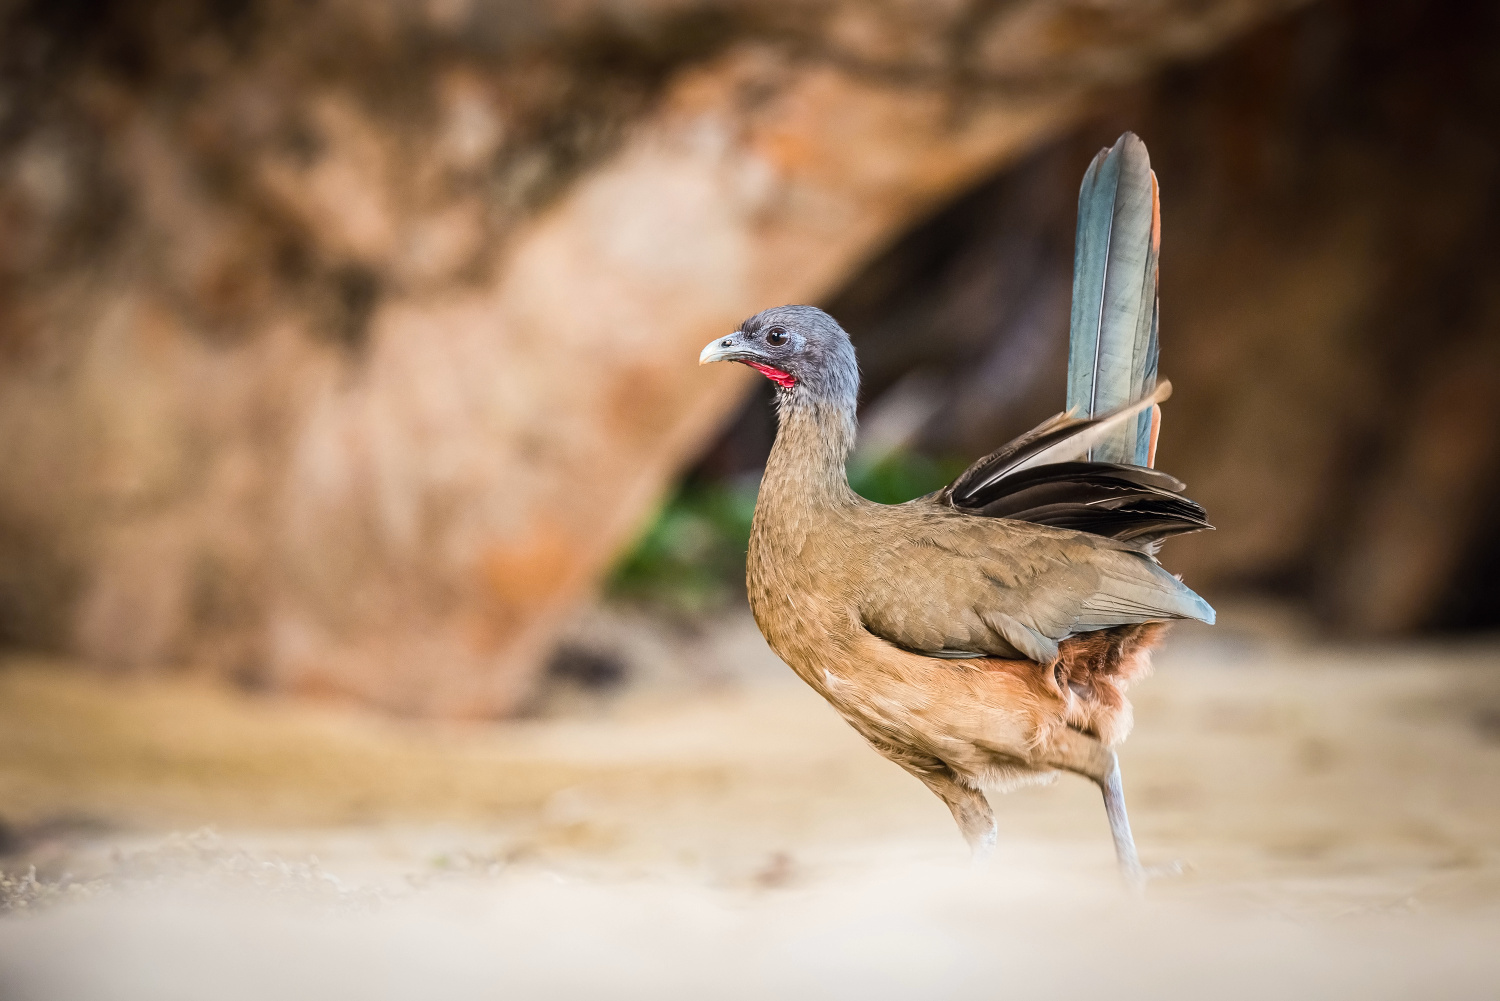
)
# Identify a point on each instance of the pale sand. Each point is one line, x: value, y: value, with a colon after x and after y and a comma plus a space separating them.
x: 1338, y: 812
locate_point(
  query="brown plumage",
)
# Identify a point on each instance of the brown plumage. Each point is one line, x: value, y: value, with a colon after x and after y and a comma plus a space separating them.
x: 973, y: 650
x: 985, y: 635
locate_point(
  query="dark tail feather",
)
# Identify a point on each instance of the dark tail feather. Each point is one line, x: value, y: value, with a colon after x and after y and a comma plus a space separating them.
x: 1063, y: 438
x: 1112, y: 350
x: 1129, y: 503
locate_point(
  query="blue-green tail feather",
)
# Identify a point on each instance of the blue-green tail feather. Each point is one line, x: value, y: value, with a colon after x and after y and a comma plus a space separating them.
x: 1112, y: 350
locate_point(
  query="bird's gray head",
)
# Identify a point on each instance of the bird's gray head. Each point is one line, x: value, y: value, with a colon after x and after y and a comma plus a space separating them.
x: 800, y: 348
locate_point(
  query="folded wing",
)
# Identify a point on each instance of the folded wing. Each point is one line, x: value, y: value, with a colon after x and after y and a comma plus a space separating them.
x: 1001, y: 588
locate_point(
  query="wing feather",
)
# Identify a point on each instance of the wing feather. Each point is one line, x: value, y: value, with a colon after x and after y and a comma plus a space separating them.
x: 1003, y: 588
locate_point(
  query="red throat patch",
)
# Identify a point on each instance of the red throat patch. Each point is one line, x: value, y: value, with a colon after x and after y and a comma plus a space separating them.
x: 776, y: 375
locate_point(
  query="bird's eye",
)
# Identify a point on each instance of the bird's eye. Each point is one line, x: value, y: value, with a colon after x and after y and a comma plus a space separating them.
x: 776, y: 336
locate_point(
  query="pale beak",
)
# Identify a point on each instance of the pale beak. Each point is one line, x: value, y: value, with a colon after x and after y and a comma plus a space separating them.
x: 723, y: 349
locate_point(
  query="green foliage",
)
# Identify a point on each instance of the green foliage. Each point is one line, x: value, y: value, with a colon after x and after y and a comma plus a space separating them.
x: 902, y: 476
x: 692, y: 558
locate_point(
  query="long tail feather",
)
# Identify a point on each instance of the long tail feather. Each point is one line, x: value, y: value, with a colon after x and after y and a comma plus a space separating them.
x: 1112, y: 351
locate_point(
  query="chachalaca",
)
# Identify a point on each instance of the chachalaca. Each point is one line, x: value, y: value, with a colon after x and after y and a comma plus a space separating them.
x: 983, y: 636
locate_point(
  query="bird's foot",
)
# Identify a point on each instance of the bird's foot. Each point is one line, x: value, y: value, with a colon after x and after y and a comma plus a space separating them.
x: 982, y: 847
x: 1136, y: 877
x: 1166, y: 869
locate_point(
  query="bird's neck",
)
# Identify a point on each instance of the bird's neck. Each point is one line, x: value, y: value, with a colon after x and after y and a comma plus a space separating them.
x: 807, y: 464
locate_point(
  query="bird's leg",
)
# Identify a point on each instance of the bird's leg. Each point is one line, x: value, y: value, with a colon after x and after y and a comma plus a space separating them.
x: 970, y: 809
x: 1119, y: 823
x: 1080, y: 753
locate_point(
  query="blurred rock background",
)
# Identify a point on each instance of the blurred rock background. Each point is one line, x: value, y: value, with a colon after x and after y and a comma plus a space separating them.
x: 346, y: 348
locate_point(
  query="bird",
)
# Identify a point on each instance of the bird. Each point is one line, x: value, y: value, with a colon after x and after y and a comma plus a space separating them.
x: 983, y: 636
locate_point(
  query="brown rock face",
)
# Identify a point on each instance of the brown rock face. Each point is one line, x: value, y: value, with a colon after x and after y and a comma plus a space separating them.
x: 344, y: 345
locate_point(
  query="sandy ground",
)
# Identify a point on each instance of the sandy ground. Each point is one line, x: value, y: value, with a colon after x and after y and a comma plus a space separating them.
x: 715, y: 831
